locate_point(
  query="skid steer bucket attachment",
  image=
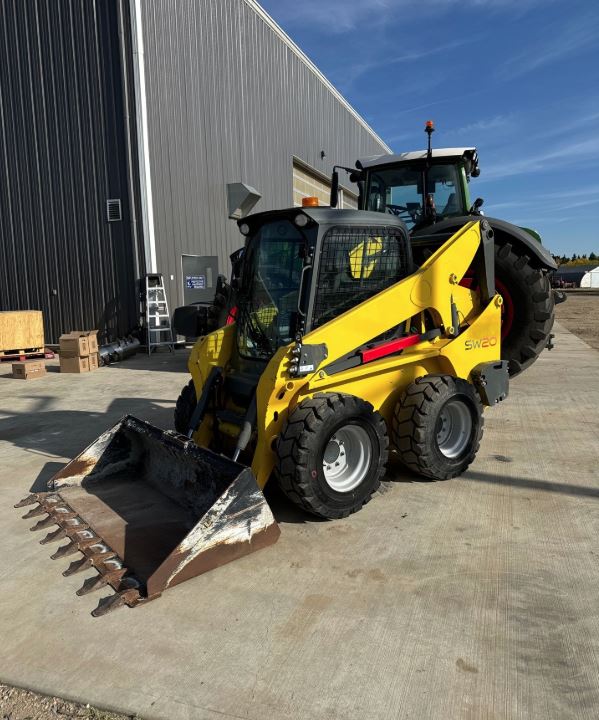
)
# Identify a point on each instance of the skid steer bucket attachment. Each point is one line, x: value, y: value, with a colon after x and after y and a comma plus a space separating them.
x: 149, y: 509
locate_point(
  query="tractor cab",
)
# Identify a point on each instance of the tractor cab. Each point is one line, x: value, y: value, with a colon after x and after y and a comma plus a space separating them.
x: 419, y: 187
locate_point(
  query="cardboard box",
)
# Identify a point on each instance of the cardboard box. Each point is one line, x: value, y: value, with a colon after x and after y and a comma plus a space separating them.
x: 92, y: 338
x: 74, y: 364
x: 29, y: 370
x: 94, y: 361
x: 73, y: 346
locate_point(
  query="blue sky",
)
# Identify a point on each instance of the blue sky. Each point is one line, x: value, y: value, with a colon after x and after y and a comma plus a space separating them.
x: 519, y: 79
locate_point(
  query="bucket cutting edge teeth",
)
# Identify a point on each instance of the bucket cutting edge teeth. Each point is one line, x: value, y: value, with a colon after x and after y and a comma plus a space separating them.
x: 65, y: 550
x: 91, y: 584
x: 54, y: 536
x: 45, y: 523
x: 108, y: 604
x: 78, y: 566
x: 29, y: 500
x: 103, y: 578
x: 34, y: 512
x: 126, y: 597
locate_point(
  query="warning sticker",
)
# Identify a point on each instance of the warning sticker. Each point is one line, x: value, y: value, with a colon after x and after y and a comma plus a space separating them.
x: 195, y: 282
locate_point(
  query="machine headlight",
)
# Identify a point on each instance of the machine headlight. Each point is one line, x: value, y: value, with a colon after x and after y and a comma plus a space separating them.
x: 244, y: 229
x: 301, y: 220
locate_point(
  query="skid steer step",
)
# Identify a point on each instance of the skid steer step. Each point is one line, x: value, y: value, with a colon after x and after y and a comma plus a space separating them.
x: 149, y: 509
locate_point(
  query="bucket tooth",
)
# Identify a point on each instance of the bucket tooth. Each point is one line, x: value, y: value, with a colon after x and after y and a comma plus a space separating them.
x: 29, y: 500
x: 65, y: 550
x: 98, y: 551
x: 102, y: 579
x: 53, y: 536
x: 34, y: 512
x: 78, y: 566
x: 45, y: 523
x: 108, y: 604
x: 91, y: 584
x: 129, y: 597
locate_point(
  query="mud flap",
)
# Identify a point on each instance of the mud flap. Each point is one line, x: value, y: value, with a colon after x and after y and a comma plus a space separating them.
x: 149, y: 509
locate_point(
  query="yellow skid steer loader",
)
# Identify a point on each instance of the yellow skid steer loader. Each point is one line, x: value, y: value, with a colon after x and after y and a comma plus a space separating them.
x: 340, y: 349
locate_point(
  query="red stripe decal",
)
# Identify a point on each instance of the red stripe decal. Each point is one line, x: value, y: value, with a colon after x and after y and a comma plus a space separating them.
x: 389, y: 348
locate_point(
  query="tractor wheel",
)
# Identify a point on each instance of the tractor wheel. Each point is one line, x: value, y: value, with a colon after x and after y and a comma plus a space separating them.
x: 528, y: 308
x: 332, y: 454
x: 437, y: 426
x: 186, y: 403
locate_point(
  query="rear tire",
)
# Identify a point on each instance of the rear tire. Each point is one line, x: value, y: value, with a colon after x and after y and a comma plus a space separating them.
x: 437, y: 426
x: 528, y: 307
x: 186, y: 403
x: 332, y: 454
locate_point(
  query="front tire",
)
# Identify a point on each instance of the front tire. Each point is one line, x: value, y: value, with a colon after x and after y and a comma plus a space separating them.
x: 332, y: 454
x: 186, y: 403
x: 437, y: 426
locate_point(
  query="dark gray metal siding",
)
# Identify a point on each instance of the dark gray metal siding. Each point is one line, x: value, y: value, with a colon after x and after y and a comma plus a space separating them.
x: 229, y: 101
x: 61, y: 156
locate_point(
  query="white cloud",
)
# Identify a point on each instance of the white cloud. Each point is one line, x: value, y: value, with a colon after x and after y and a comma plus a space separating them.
x: 338, y: 16
x: 557, y: 41
x: 493, y: 123
x: 573, y: 152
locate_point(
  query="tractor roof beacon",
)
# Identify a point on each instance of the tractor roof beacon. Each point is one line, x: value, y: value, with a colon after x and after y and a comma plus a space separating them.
x: 429, y: 190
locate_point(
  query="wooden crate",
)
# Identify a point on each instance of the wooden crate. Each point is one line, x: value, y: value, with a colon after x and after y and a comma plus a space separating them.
x: 21, y: 330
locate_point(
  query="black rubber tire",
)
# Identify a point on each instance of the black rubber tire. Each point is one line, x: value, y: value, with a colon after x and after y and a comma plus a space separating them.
x: 533, y: 303
x: 300, y: 448
x: 414, y: 426
x: 186, y: 403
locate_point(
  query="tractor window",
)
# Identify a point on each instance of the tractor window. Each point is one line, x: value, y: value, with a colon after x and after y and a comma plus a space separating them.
x: 400, y: 191
x: 269, y: 288
x: 355, y: 264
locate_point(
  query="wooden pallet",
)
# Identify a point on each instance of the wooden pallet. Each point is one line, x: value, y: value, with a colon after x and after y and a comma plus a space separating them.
x: 28, y: 354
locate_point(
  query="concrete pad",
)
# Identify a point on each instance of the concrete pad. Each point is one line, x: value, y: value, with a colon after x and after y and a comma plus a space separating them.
x: 471, y: 598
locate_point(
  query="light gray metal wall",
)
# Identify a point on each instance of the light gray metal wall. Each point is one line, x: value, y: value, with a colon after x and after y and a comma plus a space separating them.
x: 229, y: 101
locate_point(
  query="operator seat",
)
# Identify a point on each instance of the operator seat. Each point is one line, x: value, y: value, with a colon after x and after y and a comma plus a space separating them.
x: 450, y: 206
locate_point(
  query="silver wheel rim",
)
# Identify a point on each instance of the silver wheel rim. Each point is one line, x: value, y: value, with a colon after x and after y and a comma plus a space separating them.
x: 454, y: 428
x: 346, y: 458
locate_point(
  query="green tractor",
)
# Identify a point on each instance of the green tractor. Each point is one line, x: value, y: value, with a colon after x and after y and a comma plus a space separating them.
x: 429, y: 191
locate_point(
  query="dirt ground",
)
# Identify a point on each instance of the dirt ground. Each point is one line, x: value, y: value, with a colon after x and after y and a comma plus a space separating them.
x: 580, y: 315
x: 16, y: 704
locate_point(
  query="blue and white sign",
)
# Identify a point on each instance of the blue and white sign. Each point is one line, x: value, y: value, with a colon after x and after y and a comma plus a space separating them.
x: 195, y: 282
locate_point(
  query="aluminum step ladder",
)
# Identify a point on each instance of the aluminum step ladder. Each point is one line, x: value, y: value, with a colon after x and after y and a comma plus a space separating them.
x: 159, y: 332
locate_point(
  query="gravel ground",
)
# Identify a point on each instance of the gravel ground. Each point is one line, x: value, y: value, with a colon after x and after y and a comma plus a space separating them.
x: 580, y: 315
x: 17, y: 704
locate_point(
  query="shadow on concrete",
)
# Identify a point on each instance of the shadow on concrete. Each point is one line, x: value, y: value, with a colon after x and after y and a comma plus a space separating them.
x: 532, y: 484
x: 161, y: 361
x: 66, y: 433
x: 284, y: 511
x: 40, y: 484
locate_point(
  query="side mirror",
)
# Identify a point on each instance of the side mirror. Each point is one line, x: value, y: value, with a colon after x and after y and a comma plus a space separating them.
x: 478, y: 203
x: 334, y: 189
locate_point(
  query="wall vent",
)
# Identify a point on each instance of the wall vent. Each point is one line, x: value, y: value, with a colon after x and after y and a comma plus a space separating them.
x: 113, y: 210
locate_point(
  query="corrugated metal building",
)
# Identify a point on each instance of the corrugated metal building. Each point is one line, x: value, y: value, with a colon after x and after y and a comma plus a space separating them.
x: 124, y: 127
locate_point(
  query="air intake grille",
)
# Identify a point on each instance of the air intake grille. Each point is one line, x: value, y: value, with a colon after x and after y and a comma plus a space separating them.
x: 113, y: 210
x: 357, y: 263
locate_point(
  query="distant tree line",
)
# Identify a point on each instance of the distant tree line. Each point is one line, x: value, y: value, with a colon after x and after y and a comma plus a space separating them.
x: 576, y: 259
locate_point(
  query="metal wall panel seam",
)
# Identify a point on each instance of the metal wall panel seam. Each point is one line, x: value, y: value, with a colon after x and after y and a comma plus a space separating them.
x: 142, y: 133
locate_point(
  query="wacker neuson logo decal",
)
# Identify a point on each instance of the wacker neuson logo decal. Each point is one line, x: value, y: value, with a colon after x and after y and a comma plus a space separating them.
x: 485, y: 342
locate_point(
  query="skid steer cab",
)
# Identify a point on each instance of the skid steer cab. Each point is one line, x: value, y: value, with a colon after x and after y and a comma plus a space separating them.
x: 342, y: 349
